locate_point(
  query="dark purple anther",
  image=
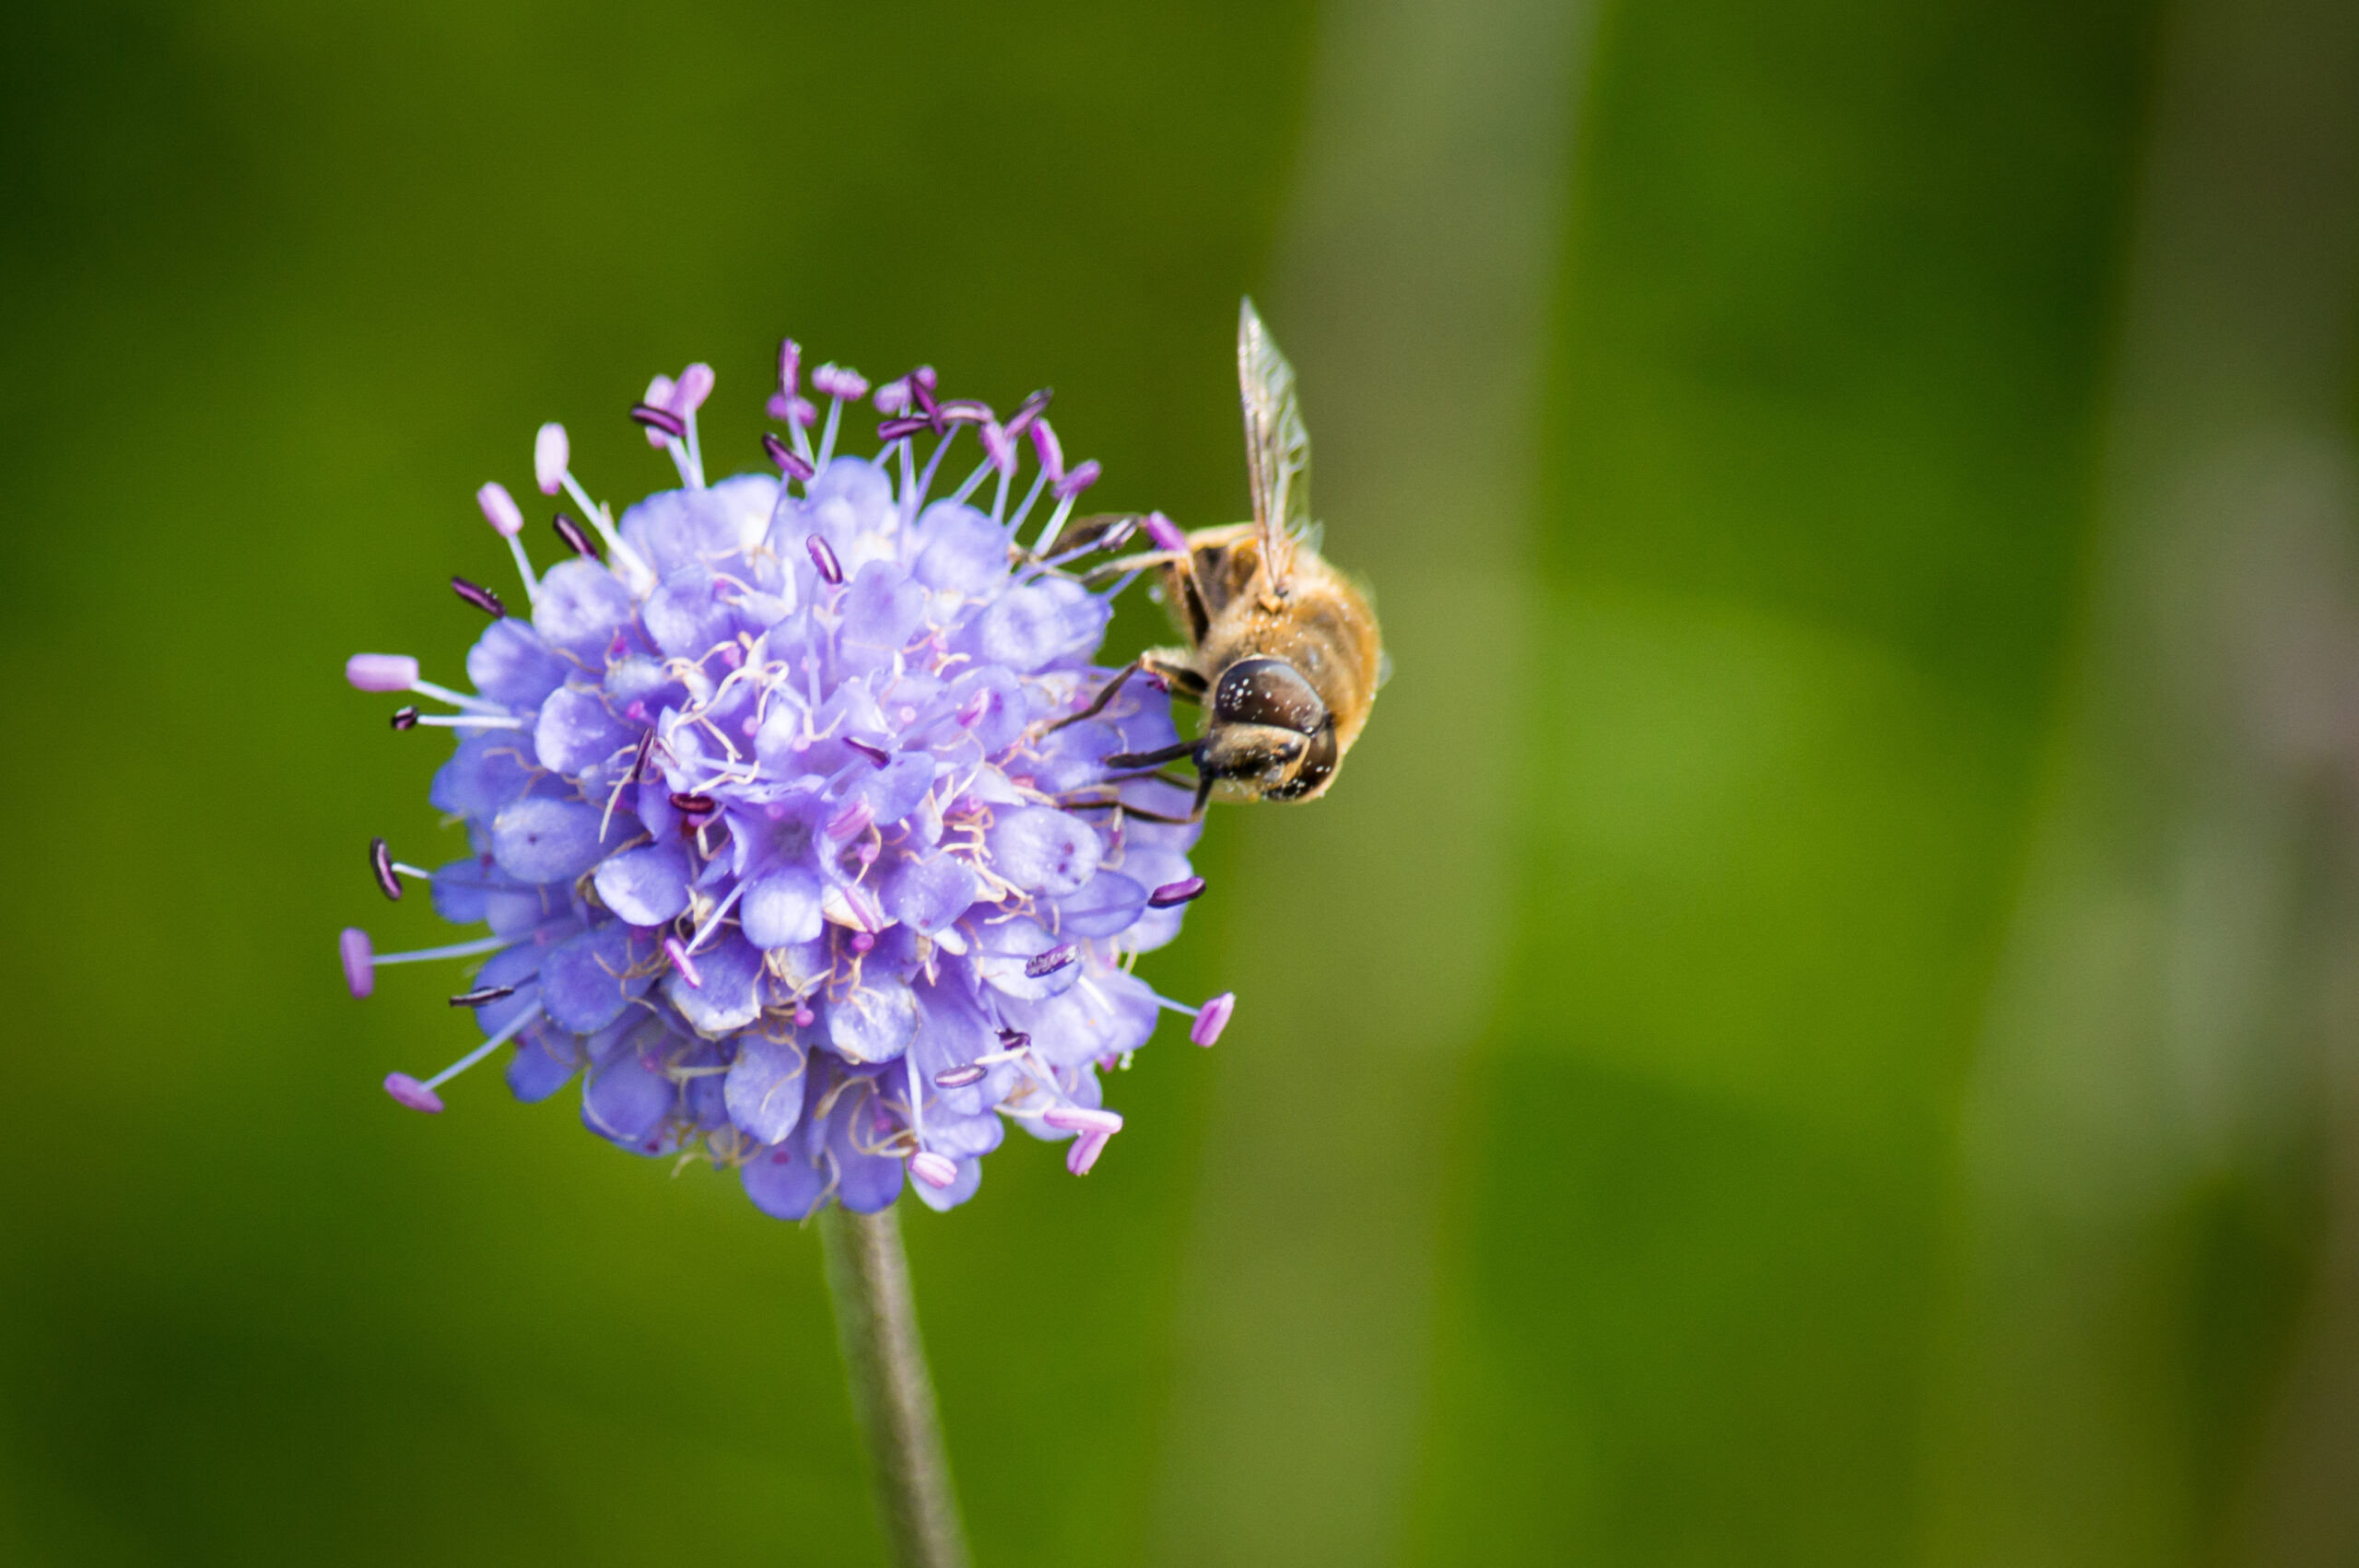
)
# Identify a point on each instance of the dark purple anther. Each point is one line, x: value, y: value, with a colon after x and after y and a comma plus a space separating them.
x: 1212, y: 1018
x: 1013, y: 1040
x: 1032, y: 408
x: 1172, y: 894
x: 638, y: 762
x: 835, y: 380
x: 900, y: 430
x: 959, y: 1077
x: 576, y: 539
x: 923, y: 381
x: 662, y: 420
x: 381, y: 866
x: 997, y: 447
x: 876, y: 754
x: 483, y: 599
x: 788, y: 460
x: 408, y: 1091
x: 1047, y: 963
x: 404, y: 717
x: 963, y: 411
x: 483, y: 996
x: 1045, y: 447
x: 824, y: 556
x: 693, y: 805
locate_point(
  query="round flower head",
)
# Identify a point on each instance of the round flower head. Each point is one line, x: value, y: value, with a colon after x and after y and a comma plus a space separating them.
x: 790, y: 815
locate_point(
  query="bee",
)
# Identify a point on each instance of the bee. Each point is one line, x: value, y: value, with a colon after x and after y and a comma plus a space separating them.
x: 1283, y: 650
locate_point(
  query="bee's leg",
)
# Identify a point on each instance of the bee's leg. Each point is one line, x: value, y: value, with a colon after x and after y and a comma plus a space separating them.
x: 1180, y: 677
x: 1097, y: 704
x: 1130, y: 811
x: 1144, y: 562
x: 1156, y: 758
x: 1204, y: 781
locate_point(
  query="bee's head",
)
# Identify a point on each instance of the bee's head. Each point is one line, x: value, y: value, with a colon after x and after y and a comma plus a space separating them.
x: 1271, y: 737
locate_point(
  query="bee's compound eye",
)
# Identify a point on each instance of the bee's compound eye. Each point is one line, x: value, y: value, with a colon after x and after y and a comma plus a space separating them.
x: 1268, y: 691
x: 1317, y: 767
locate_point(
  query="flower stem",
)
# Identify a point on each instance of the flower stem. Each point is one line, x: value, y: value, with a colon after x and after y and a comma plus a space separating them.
x: 892, y: 1395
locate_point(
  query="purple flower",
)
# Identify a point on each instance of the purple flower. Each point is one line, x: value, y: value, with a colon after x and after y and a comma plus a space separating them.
x: 791, y: 839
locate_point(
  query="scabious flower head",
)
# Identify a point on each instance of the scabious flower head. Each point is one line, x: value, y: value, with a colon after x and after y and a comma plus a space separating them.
x: 789, y: 810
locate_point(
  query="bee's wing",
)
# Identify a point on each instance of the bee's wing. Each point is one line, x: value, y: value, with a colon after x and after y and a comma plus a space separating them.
x: 1277, y: 447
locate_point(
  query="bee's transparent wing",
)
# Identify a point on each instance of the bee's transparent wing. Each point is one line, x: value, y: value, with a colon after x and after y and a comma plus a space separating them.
x: 1277, y: 447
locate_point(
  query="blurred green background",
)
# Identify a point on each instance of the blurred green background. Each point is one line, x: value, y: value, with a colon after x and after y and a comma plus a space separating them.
x: 1616, y: 1157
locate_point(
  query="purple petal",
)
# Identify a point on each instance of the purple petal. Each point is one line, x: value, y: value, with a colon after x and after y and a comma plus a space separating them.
x: 1005, y: 964
x: 461, y: 890
x: 585, y: 979
x: 483, y: 775
x: 509, y: 663
x: 684, y: 617
x: 962, y: 551
x: 782, y: 907
x: 545, y: 1061
x: 882, y: 612
x: 783, y: 1183
x: 647, y: 886
x: 1115, y: 1012
x: 727, y: 999
x: 625, y: 1102
x: 928, y: 894
x: 991, y: 705
x: 765, y: 1088
x: 1044, y: 850
x: 673, y: 529
x: 580, y: 607
x: 1024, y: 629
x: 1108, y: 903
x: 864, y: 1182
x: 576, y: 732
x: 538, y: 840
x: 875, y: 1023
x: 893, y: 790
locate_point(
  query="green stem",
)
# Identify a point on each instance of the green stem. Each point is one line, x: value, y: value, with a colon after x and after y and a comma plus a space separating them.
x: 876, y: 1322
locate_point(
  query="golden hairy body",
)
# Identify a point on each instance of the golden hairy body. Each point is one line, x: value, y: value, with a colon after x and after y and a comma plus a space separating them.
x: 1320, y: 627
x: 1283, y: 650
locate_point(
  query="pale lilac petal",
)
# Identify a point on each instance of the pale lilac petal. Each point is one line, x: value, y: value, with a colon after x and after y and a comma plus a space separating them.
x: 647, y: 886
x: 764, y: 1089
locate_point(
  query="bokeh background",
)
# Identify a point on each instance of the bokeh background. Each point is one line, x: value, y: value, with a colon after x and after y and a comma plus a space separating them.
x: 1818, y: 1027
